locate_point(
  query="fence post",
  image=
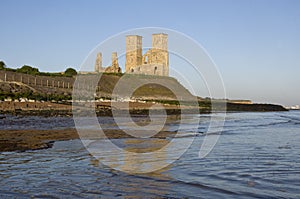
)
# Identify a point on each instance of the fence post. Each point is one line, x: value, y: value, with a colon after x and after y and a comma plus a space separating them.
x: 47, y: 83
x: 5, y: 77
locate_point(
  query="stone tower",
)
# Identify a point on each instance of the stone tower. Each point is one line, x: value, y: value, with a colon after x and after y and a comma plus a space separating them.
x: 98, y: 63
x: 133, y: 52
x: 159, y: 52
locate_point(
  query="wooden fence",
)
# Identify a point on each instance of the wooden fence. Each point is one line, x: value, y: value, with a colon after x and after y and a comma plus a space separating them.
x: 48, y: 81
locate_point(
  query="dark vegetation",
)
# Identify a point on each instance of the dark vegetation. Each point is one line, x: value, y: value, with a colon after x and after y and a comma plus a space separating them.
x: 30, y: 94
x: 70, y: 72
x: 26, y: 69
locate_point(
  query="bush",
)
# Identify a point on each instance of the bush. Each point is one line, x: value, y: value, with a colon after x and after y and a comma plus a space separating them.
x: 70, y: 72
x: 2, y: 65
x: 28, y: 70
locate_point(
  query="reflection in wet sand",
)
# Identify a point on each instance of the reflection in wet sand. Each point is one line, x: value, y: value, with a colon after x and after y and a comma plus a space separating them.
x: 136, y: 162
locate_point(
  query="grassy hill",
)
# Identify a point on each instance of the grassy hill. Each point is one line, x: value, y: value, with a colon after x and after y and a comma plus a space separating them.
x: 16, y: 85
x: 160, y: 89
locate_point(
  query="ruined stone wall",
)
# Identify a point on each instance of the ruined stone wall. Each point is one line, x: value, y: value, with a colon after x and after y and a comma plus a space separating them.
x: 149, y: 69
x: 98, y: 63
x: 154, y: 62
x: 114, y: 68
x: 114, y: 60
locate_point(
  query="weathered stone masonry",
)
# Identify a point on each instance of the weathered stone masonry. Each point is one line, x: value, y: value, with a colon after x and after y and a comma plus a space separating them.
x: 154, y: 62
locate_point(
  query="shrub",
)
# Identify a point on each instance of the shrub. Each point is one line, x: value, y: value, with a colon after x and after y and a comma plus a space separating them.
x: 70, y: 72
x: 28, y: 70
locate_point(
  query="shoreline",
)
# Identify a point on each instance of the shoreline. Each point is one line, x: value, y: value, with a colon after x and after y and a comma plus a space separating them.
x: 49, y: 109
x: 23, y: 140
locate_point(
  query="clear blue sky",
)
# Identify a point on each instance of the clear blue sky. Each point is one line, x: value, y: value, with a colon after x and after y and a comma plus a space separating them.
x: 255, y: 43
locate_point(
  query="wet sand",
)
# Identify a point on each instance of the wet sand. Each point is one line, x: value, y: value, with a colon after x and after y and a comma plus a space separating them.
x: 22, y: 140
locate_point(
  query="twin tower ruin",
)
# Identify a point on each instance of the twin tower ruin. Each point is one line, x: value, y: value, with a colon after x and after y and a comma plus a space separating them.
x: 154, y: 62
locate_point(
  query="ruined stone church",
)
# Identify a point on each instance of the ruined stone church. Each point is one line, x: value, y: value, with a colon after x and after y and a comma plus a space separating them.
x: 154, y: 62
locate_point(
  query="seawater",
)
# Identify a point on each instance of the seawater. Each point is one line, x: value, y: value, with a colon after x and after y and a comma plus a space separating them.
x: 256, y: 156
